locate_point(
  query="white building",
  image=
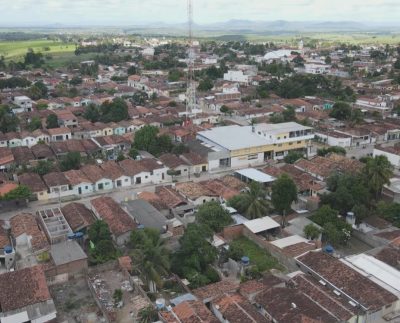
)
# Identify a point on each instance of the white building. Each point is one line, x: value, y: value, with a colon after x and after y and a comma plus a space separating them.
x: 313, y: 68
x: 23, y: 103
x: 237, y: 76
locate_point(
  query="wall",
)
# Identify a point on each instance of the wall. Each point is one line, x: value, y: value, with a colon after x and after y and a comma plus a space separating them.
x: 233, y: 232
x: 393, y: 159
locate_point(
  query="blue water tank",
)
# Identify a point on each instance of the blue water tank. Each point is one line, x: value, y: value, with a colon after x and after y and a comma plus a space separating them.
x: 8, y: 249
x: 329, y: 249
x: 78, y: 235
x: 140, y: 226
x: 71, y: 236
x: 245, y: 260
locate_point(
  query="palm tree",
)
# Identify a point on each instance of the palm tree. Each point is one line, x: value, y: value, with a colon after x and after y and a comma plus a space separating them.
x: 252, y: 203
x: 147, y: 314
x: 149, y: 256
x: 378, y: 172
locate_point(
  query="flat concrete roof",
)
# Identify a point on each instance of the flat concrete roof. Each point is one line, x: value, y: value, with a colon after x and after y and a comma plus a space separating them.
x: 255, y: 175
x: 66, y: 252
x: 288, y: 241
x: 261, y: 224
x: 145, y: 214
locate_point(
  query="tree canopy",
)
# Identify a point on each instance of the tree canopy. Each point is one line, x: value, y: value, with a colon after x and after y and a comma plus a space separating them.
x: 8, y: 121
x: 284, y: 193
x: 213, y: 215
x: 148, y: 139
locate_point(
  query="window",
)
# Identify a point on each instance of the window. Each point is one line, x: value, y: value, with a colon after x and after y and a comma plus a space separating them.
x: 126, y: 179
x: 86, y: 187
x: 279, y: 138
x: 299, y: 142
x: 252, y: 157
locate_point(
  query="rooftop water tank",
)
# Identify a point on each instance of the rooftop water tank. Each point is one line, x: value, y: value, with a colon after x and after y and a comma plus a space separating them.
x: 160, y: 303
x: 78, y: 235
x: 245, y: 260
x: 8, y: 249
x: 71, y: 236
x: 329, y: 249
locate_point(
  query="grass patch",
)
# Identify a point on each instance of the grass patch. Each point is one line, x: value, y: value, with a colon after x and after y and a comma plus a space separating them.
x: 16, y: 50
x: 259, y: 257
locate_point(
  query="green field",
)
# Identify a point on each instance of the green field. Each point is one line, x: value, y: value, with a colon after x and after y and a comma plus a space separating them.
x: 15, y: 50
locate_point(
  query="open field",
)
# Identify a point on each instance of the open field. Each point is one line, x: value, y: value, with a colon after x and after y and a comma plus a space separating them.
x: 15, y: 50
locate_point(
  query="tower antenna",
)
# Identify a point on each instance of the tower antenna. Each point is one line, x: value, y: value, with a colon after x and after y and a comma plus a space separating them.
x: 191, y: 87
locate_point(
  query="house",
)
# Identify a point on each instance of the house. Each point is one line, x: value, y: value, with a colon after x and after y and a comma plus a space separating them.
x: 23, y: 104
x: 119, y: 221
x: 136, y: 171
x: 196, y: 193
x: 78, y: 217
x: 98, y: 177
x: 176, y: 164
x: 79, y: 182
x: 23, y: 156
x: 188, y: 311
x: 237, y: 77
x: 333, y: 138
x: 146, y: 214
x: 115, y: 172
x: 35, y: 185
x: 59, y: 134
x: 3, y: 140
x: 25, y: 296
x: 26, y: 233
x: 392, y: 153
x: 6, y: 158
x: 157, y: 170
x: 198, y: 164
x: 373, y: 300
x: 27, y: 139
x: 13, y: 139
x: 66, y: 118
x: 233, y: 307
x: 42, y: 152
x: 58, y: 184
x: 54, y: 224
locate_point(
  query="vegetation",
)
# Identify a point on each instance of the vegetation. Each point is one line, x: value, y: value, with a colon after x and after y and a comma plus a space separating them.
x: 114, y: 111
x: 149, y: 256
x: 260, y: 258
x: 148, y: 315
x: 43, y: 167
x: 21, y: 192
x: 284, y: 193
x: 214, y: 216
x: 102, y: 248
x: 332, y: 149
x: 52, y: 121
x: 8, y: 121
x: 253, y: 203
x: 293, y: 156
x: 148, y: 139
x: 335, y: 230
x: 378, y: 171
x: 311, y: 231
x: 194, y: 258
x: 72, y: 160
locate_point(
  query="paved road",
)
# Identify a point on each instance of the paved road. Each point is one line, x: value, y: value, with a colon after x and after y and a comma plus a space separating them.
x: 119, y: 195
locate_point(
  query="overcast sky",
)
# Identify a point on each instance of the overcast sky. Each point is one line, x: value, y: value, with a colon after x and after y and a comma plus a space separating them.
x: 123, y: 12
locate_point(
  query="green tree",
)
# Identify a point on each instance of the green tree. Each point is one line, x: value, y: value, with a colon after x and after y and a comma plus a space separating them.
x: 333, y: 149
x: 114, y: 111
x: 341, y: 111
x: 103, y: 250
x: 224, y: 109
x: 389, y: 211
x: 133, y: 153
x: 92, y: 113
x: 289, y: 114
x: 117, y: 296
x: 174, y: 75
x: 213, y: 215
x: 195, y: 255
x: 38, y: 91
x: 293, y: 156
x: 328, y: 60
x: 43, y: 167
x: 21, y: 192
x: 205, y: 85
x: 72, y: 160
x: 132, y: 70
x: 99, y: 231
x: 149, y: 256
x: 8, y: 121
x: 147, y: 139
x: 253, y: 203
x: 311, y: 231
x: 52, y: 121
x: 284, y: 193
x: 148, y: 314
x: 36, y: 123
x: 378, y: 171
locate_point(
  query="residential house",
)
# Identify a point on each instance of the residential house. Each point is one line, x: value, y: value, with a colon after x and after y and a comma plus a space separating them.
x: 136, y: 171
x: 79, y: 182
x: 59, y: 134
x: 98, y: 177
x: 27, y: 139
x: 13, y: 139
x: 119, y: 222
x: 176, y: 164
x: 78, y: 216
x: 115, y: 172
x: 198, y: 164
x: 27, y: 233
x: 66, y: 118
x: 6, y: 158
x: 23, y: 156
x: 188, y: 311
x: 157, y: 170
x: 25, y: 296
x: 35, y: 185
x: 196, y: 193
x: 42, y: 152
x: 22, y: 103
x: 58, y: 184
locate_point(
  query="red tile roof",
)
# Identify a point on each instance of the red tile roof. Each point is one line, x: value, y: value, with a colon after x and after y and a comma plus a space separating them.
x: 78, y: 216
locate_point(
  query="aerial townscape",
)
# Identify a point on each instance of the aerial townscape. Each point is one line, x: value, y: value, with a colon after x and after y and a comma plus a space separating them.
x: 199, y: 161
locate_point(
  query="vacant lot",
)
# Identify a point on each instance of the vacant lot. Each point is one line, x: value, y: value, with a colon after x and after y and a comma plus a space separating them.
x: 16, y: 49
x: 258, y: 256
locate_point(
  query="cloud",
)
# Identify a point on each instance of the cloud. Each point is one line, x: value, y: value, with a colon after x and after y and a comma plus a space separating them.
x: 206, y: 11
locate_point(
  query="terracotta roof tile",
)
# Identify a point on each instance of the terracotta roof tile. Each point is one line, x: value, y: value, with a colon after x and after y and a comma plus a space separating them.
x: 78, y: 216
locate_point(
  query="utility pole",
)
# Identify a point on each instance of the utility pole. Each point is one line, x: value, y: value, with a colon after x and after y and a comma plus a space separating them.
x: 191, y: 88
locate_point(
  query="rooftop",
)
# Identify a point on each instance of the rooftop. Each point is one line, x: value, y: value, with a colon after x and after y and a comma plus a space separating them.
x: 56, y: 226
x: 78, y: 216
x: 261, y: 224
x: 22, y: 288
x: 66, y: 252
x: 146, y: 214
x: 255, y: 175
